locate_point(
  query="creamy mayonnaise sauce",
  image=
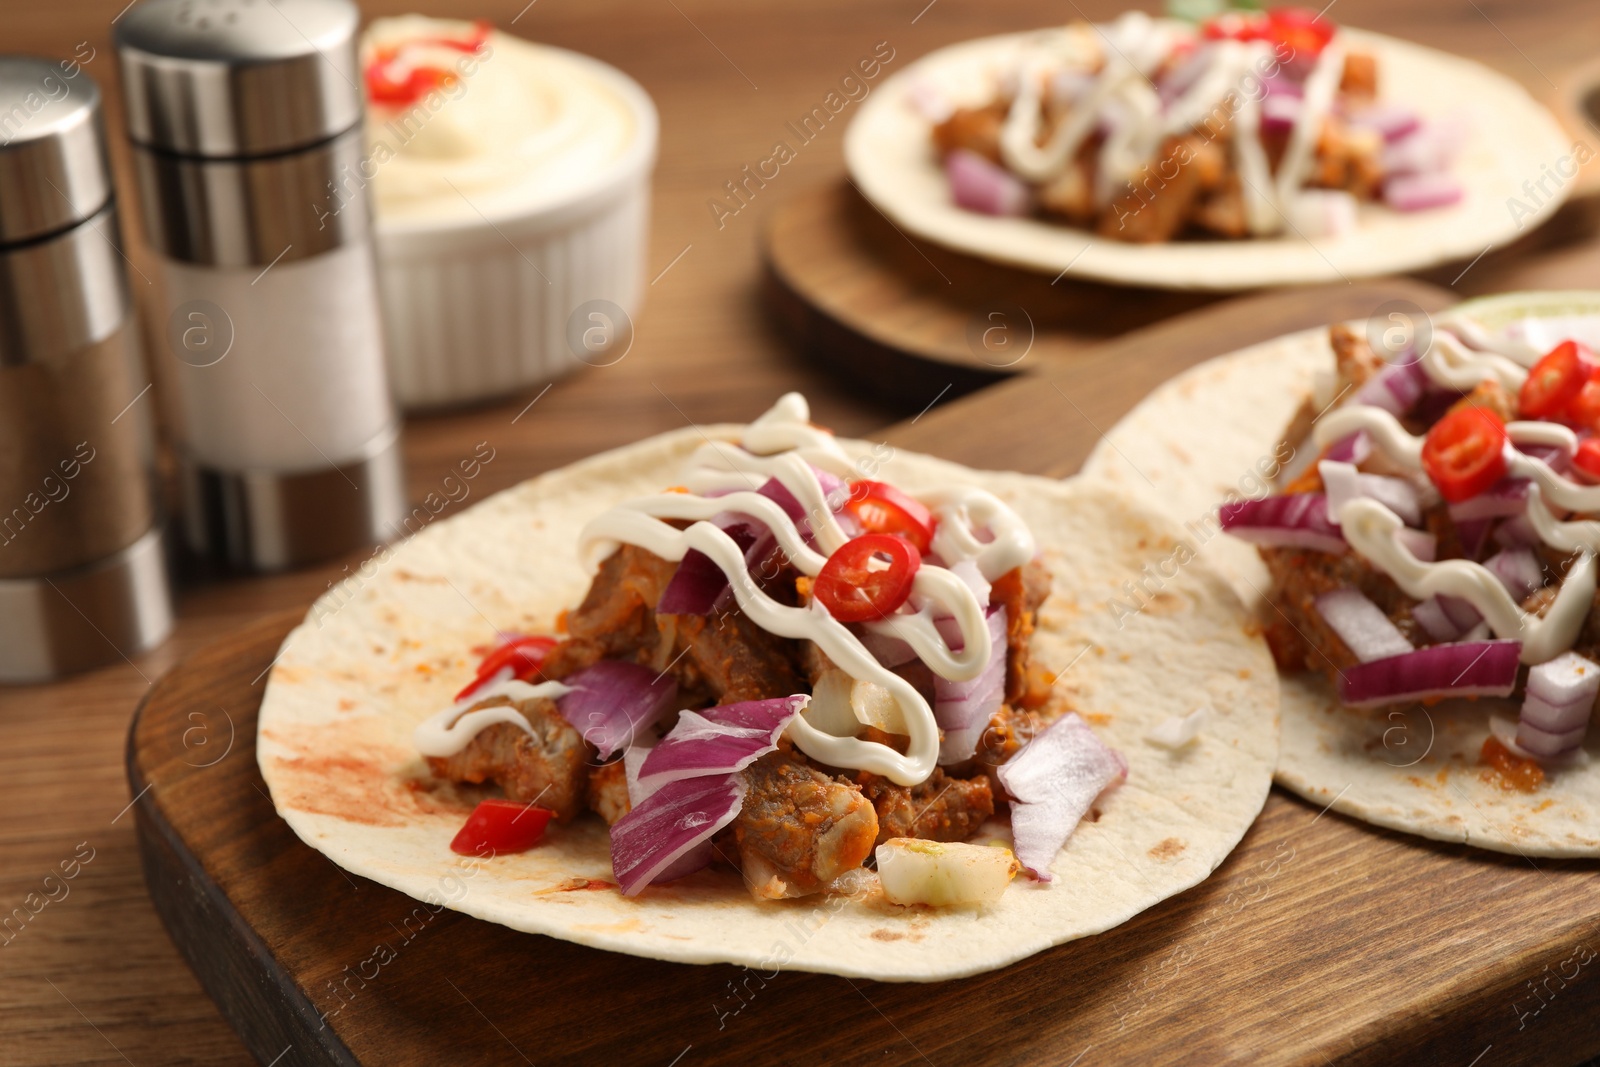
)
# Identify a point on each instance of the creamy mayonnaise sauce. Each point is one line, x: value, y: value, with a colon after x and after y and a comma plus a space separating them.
x: 973, y: 525
x: 1120, y: 60
x: 522, y: 125
x: 978, y: 539
x: 452, y: 729
x: 1462, y: 354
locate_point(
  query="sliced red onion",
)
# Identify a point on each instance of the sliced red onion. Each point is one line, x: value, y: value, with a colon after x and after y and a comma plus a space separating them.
x: 1298, y: 519
x: 1421, y: 192
x: 1555, y: 457
x: 978, y: 185
x: 1516, y: 532
x: 1461, y: 612
x: 963, y: 709
x: 1518, y: 570
x: 1428, y: 150
x: 1352, y: 448
x: 1279, y: 112
x: 1567, y: 679
x: 967, y: 570
x: 1555, y: 718
x: 1396, y: 388
x: 614, y: 702
x: 1463, y: 669
x: 1473, y: 535
x: 1344, y: 483
x: 1433, y: 619
x: 698, y: 583
x: 632, y: 760
x: 719, y: 740
x: 889, y: 651
x: 1420, y: 543
x: 1508, y: 496
x: 1390, y: 121
x: 1545, y: 744
x: 668, y: 834
x: 1361, y: 625
x: 1052, y: 782
x: 1281, y: 85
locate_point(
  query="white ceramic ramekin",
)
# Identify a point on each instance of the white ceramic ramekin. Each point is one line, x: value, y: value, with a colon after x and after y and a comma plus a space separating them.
x: 488, y: 306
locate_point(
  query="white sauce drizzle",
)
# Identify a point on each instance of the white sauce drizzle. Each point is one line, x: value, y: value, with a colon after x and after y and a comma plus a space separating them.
x: 1374, y: 531
x: 450, y: 731
x: 781, y: 444
x: 1121, y: 93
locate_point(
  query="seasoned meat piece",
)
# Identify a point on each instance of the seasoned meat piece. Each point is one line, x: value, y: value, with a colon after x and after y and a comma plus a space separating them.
x: 1164, y: 196
x: 1360, y: 77
x: 1071, y: 193
x: 977, y: 129
x: 617, y: 617
x: 729, y: 656
x: 799, y: 829
x: 608, y: 792
x: 549, y: 768
x: 940, y: 809
x: 1491, y: 396
x: 1353, y: 357
x: 1299, y: 577
x: 1221, y: 211
x: 1348, y: 159
x: 721, y: 658
x: 1020, y: 591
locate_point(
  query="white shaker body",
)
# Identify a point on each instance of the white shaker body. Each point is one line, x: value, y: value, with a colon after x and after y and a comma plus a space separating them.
x: 278, y: 369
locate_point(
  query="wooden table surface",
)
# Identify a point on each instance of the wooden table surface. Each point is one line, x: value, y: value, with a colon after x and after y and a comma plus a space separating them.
x: 92, y: 978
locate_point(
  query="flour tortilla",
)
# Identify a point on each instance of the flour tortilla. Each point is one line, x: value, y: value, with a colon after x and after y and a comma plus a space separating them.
x: 1201, y: 436
x: 391, y: 646
x: 890, y: 155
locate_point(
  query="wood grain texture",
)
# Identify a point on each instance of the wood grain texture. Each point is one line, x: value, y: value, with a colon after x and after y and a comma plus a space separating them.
x: 93, y: 978
x: 905, y: 318
x: 1319, y: 940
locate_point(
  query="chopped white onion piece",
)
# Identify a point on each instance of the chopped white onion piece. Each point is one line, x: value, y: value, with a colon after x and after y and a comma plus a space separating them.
x: 913, y: 871
x: 1361, y: 625
x: 1177, y: 731
x: 1505, y: 731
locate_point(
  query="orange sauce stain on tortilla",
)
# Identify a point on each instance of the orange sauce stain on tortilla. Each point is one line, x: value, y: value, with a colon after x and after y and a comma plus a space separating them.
x: 627, y: 926
x: 886, y: 935
x: 561, y: 621
x: 1168, y: 849
x: 1097, y: 718
x: 1443, y: 775
x: 1507, y: 770
x: 574, y: 885
x: 1244, y: 674
x: 1547, y: 802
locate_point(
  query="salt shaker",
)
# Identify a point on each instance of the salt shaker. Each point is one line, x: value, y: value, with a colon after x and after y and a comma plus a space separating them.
x: 83, y: 576
x: 243, y: 115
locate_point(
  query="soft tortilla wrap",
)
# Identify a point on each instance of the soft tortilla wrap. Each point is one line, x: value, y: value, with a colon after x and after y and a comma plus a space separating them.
x: 392, y: 645
x: 1214, y: 431
x: 891, y: 159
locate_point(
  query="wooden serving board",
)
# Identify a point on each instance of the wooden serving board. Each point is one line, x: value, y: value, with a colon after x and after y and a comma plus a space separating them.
x: 1320, y: 940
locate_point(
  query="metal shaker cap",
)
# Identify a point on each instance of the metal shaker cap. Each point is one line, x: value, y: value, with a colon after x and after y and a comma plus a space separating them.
x: 225, y: 79
x: 53, y: 169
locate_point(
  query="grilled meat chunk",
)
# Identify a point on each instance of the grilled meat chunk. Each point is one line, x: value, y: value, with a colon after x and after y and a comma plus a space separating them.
x: 1164, y: 196
x: 716, y: 659
x: 1020, y: 591
x: 608, y: 792
x: 800, y: 829
x: 976, y: 129
x: 1298, y: 578
x: 548, y: 767
x: 939, y: 809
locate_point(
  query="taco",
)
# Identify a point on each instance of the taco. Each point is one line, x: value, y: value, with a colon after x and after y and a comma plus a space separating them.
x: 1420, y: 544
x: 1256, y: 147
x: 757, y: 695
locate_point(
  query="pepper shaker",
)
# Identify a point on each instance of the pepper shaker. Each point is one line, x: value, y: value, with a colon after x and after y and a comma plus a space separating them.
x: 243, y: 114
x: 83, y: 575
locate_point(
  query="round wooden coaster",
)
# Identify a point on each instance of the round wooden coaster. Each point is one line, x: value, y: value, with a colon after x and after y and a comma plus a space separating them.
x: 907, y: 319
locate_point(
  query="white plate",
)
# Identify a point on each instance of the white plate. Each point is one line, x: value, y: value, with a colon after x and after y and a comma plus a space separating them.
x: 889, y: 152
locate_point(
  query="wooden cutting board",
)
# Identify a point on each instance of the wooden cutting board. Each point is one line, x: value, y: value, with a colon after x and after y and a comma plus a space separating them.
x: 1319, y: 940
